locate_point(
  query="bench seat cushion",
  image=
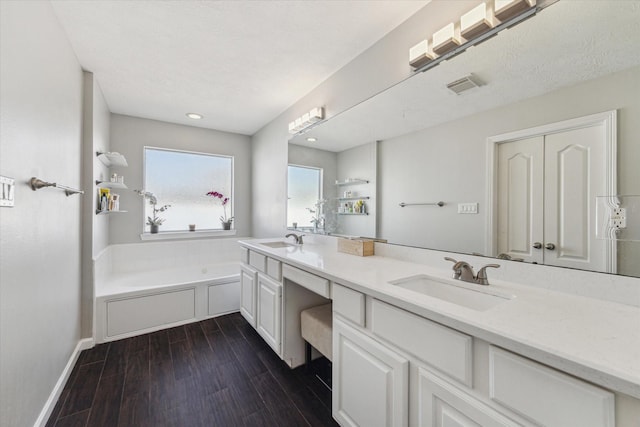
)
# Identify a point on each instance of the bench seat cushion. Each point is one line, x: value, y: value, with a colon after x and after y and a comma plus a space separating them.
x: 316, y: 325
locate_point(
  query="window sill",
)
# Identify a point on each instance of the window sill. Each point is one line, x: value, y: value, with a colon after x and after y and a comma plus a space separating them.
x: 168, y: 235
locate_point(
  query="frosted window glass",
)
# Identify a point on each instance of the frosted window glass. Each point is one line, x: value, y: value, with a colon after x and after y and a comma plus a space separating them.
x: 304, y: 192
x: 182, y: 179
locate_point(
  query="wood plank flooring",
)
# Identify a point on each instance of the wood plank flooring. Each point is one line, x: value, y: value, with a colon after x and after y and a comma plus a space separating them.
x: 218, y: 372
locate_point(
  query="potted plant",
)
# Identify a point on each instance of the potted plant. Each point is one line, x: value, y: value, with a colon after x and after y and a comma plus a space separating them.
x: 226, y: 222
x: 154, y: 222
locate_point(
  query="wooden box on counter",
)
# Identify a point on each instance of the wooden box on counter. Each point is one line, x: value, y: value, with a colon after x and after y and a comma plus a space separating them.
x: 360, y: 247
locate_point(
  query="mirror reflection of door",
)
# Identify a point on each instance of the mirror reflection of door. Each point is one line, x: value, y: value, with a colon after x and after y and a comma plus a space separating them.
x: 305, y: 190
x: 547, y: 187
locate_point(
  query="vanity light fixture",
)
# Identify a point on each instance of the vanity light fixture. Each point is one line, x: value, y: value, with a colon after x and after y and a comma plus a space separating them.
x: 446, y: 39
x: 477, y: 21
x: 307, y: 120
x: 420, y: 54
x: 194, y: 116
x: 480, y: 23
x: 507, y: 9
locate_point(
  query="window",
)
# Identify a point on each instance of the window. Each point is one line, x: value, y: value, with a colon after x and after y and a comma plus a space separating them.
x: 305, y: 189
x: 182, y: 179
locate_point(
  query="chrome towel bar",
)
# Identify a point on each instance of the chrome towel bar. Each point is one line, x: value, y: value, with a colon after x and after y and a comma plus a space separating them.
x: 37, y: 184
x: 403, y: 204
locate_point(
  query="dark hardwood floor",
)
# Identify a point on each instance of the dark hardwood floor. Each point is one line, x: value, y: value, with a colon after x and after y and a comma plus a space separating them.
x: 218, y: 372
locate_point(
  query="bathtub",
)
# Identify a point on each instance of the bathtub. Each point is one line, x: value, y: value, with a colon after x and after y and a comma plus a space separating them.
x: 145, y: 287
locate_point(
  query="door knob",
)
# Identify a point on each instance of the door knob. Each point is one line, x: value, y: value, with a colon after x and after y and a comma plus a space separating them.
x: 537, y: 245
x: 550, y: 246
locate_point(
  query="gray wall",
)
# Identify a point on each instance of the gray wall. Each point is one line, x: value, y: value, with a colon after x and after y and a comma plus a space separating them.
x: 359, y: 163
x: 95, y: 228
x: 327, y: 160
x: 379, y: 67
x: 40, y: 135
x: 129, y: 135
x: 448, y: 162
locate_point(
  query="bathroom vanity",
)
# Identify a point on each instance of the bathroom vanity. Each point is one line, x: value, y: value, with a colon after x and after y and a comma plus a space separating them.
x: 405, y: 356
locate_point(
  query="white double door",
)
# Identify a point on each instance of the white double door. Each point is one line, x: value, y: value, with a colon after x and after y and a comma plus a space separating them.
x: 547, y: 188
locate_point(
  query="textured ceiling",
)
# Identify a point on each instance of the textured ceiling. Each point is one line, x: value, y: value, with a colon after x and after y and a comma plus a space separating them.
x: 239, y: 63
x: 569, y: 42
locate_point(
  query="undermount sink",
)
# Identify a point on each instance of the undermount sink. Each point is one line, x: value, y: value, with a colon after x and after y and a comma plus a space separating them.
x: 468, y: 295
x: 278, y: 244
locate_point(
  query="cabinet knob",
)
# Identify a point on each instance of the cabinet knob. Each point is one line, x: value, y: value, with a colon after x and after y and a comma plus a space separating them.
x: 537, y: 245
x: 550, y: 246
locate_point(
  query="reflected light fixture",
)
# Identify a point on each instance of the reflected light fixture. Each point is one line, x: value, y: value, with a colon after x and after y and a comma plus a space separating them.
x: 312, y: 139
x: 194, y: 116
x: 306, y: 120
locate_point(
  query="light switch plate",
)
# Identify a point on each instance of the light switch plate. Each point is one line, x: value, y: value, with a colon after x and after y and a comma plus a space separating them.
x: 7, y: 189
x: 467, y: 208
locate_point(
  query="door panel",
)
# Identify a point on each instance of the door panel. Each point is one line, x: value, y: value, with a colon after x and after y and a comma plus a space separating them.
x: 269, y: 313
x: 574, y: 173
x: 520, y: 197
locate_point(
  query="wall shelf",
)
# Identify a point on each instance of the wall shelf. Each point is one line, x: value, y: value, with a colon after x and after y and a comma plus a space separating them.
x: 354, y: 198
x: 352, y: 182
x: 110, y: 184
x: 98, y: 212
x: 112, y: 159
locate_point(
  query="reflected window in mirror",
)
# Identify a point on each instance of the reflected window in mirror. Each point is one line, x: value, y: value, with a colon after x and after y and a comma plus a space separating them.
x: 304, y: 189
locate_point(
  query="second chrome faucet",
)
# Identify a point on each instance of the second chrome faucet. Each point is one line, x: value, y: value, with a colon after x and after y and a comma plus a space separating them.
x: 463, y: 271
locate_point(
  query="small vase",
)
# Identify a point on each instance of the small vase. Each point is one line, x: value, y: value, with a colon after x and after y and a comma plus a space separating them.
x: 154, y: 229
x: 226, y: 225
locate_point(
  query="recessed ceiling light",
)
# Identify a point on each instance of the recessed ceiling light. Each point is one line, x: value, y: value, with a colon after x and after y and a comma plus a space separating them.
x: 194, y: 116
x: 312, y: 139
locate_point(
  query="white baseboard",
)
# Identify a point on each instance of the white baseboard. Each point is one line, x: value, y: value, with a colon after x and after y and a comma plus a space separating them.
x: 83, y: 344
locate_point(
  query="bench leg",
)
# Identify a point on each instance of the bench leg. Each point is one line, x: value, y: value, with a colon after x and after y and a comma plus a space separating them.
x: 307, y: 355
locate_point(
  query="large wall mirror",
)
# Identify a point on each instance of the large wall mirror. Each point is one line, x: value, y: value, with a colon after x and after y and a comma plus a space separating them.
x: 417, y: 143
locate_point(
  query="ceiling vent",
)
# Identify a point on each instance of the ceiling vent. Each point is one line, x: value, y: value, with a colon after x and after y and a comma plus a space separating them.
x: 463, y: 84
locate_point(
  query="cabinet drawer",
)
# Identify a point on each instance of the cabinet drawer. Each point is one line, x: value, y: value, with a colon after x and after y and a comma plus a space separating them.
x: 443, y: 348
x: 258, y: 261
x: 349, y: 304
x: 310, y: 281
x: 244, y: 255
x: 546, y: 396
x: 274, y: 269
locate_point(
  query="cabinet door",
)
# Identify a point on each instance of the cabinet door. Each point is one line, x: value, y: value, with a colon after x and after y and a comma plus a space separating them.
x: 441, y: 404
x: 370, y: 382
x: 269, y: 313
x: 248, y: 277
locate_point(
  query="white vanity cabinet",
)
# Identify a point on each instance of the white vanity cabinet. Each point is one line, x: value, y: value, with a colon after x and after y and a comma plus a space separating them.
x: 370, y: 381
x: 261, y: 296
x: 248, y: 283
x: 269, y: 311
x: 404, y: 369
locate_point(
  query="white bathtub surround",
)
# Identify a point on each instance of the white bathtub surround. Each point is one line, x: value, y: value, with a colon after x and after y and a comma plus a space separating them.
x: 150, y: 286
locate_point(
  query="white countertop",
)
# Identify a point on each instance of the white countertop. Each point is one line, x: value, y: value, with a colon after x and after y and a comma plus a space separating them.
x: 592, y: 339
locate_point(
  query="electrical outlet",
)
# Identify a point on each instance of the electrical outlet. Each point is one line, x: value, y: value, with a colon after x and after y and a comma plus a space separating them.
x: 467, y: 208
x: 6, y: 191
x: 619, y: 218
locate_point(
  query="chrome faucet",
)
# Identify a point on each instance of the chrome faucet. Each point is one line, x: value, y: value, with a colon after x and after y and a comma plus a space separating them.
x: 296, y: 237
x: 463, y: 271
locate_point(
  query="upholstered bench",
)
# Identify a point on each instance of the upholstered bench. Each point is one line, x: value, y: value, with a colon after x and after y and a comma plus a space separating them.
x: 316, y: 325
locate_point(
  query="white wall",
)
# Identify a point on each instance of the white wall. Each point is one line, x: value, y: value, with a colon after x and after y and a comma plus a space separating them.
x: 379, y: 67
x: 448, y: 162
x: 40, y: 135
x: 129, y: 135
